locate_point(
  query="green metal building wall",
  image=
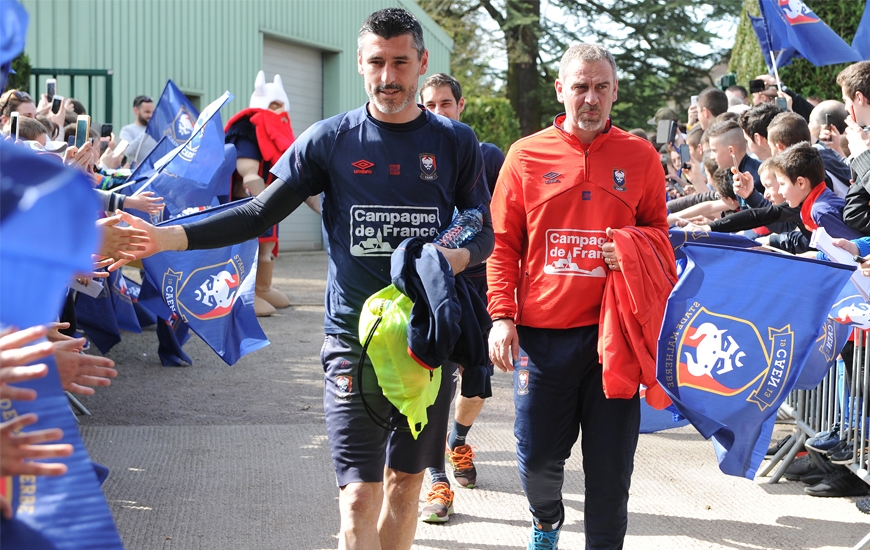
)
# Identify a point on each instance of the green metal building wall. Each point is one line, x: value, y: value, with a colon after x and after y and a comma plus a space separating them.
x: 204, y: 46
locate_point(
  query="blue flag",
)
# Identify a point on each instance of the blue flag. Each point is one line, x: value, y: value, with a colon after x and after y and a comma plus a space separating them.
x: 823, y: 355
x: 103, y: 317
x: 851, y: 309
x: 790, y: 23
x: 861, y: 42
x: 172, y: 332
x: 189, y: 176
x: 47, y: 233
x: 144, y: 316
x: 783, y: 52
x: 174, y: 116
x: 210, y: 290
x: 679, y: 237
x: 654, y: 420
x: 731, y: 350
x: 146, y: 169
x: 96, y: 318
x: 122, y: 302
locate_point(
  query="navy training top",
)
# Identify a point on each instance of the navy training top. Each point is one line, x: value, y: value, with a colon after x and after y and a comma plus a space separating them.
x: 381, y: 184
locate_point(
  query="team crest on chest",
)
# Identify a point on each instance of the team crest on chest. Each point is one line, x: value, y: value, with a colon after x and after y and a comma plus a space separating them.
x: 428, y: 167
x: 619, y: 179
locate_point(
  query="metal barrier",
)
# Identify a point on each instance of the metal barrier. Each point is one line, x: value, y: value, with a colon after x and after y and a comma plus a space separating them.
x: 834, y: 402
x: 90, y: 73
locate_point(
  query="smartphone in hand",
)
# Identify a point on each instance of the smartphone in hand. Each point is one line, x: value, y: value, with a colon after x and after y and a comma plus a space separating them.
x: 105, y: 136
x: 83, y: 128
x: 56, y: 103
x: 13, y: 125
x: 666, y: 131
x: 50, y: 88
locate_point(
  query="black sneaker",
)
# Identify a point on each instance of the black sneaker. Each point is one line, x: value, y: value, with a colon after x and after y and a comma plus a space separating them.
x: 864, y: 505
x: 846, y: 454
x: 817, y: 475
x: 839, y: 483
x: 837, y: 448
x: 800, y: 467
x: 776, y: 446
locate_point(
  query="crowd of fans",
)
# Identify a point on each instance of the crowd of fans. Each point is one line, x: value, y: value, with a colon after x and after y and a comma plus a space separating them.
x: 46, y: 133
x: 775, y: 171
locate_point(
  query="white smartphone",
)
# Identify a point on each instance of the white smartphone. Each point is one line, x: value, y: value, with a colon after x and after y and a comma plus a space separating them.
x: 120, y: 148
x: 56, y: 103
x: 83, y: 129
x: 694, y: 100
x: 50, y: 88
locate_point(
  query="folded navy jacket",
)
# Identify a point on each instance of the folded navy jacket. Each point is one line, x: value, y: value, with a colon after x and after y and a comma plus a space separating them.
x: 449, y: 321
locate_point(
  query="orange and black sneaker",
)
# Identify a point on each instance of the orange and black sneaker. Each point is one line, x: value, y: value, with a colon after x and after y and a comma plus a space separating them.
x: 439, y: 505
x: 461, y: 459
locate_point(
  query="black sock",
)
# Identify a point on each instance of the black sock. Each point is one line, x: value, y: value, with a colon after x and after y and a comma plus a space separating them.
x: 438, y: 476
x: 457, y: 435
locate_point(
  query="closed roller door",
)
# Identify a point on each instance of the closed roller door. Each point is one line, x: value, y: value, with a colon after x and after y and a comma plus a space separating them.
x: 301, y: 71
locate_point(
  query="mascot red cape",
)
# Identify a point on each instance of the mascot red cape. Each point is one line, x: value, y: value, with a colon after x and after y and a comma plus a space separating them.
x: 261, y: 134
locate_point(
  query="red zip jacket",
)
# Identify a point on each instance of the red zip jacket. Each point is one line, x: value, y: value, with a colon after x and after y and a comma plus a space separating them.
x: 552, y: 203
x: 632, y: 313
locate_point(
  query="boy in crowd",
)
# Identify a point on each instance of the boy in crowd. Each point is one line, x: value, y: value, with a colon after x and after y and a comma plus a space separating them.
x: 754, y: 124
x: 801, y: 175
x: 728, y: 146
x: 787, y: 129
x: 712, y: 102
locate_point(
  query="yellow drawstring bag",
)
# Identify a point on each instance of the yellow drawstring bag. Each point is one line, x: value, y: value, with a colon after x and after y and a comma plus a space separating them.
x: 410, y: 387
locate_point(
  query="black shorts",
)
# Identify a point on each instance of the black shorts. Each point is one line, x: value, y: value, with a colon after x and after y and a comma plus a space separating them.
x: 361, y: 447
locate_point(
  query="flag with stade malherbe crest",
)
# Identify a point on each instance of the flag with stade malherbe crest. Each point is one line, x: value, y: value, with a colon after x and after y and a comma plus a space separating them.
x: 790, y: 27
x: 210, y: 290
x: 173, y: 117
x: 731, y: 347
x: 195, y: 172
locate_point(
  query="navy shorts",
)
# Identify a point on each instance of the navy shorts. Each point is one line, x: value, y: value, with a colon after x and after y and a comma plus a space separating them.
x: 360, y: 446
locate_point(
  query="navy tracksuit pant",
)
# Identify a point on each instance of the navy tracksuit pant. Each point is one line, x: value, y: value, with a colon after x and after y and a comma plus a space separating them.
x: 558, y: 395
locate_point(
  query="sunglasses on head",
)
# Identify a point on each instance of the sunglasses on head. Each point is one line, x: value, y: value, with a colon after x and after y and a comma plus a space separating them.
x: 21, y: 96
x: 141, y: 100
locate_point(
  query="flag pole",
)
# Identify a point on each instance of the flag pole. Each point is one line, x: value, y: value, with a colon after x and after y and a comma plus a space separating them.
x: 775, y: 71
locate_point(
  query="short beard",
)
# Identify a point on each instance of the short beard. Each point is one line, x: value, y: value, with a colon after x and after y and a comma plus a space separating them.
x: 142, y: 121
x: 588, y: 125
x: 392, y: 108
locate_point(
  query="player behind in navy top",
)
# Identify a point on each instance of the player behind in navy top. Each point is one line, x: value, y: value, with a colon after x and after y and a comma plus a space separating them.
x: 442, y: 95
x: 388, y: 170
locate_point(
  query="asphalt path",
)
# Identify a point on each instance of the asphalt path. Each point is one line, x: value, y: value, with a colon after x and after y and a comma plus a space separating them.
x: 216, y: 457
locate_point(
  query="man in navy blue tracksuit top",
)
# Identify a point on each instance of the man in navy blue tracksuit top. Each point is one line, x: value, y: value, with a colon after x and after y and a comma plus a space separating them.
x: 387, y: 171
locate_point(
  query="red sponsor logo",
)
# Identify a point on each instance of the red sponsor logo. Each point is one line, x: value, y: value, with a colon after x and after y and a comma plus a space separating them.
x: 395, y: 169
x: 362, y: 166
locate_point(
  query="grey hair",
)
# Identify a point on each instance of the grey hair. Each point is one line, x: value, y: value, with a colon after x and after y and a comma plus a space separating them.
x: 587, y: 53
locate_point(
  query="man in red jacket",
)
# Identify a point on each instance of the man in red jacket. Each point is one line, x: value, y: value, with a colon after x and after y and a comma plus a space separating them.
x: 559, y: 195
